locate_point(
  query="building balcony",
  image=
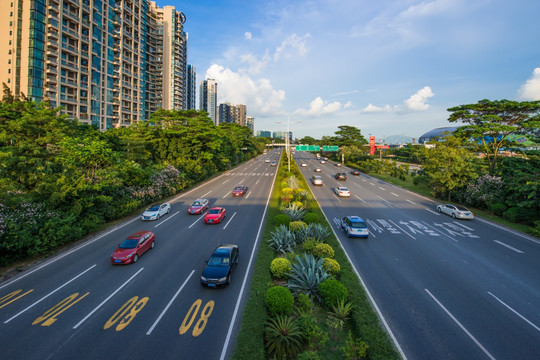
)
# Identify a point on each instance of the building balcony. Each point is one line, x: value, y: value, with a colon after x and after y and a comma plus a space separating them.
x: 71, y: 15
x: 68, y: 98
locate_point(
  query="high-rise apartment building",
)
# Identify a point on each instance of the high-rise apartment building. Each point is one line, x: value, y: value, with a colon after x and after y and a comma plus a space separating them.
x: 229, y: 113
x: 107, y: 63
x: 250, y: 123
x: 208, y: 99
x: 191, y: 87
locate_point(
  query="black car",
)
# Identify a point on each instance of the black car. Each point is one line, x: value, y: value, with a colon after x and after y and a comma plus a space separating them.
x: 341, y: 176
x: 219, y: 267
x: 355, y: 172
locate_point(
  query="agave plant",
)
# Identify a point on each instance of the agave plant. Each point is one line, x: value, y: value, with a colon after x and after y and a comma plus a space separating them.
x: 283, y: 337
x: 294, y: 211
x: 318, y: 231
x: 340, y: 312
x: 307, y: 272
x: 293, y: 182
x: 282, y: 240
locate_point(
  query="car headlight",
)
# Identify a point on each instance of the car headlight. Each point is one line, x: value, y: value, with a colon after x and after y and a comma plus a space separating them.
x: 130, y: 255
x: 203, y: 278
x: 222, y: 279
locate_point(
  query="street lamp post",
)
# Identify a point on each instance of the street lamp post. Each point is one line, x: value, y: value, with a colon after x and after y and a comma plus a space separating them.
x: 287, y: 150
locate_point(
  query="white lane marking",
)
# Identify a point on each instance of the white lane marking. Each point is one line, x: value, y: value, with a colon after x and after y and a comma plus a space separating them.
x: 383, y: 189
x: 225, y: 181
x: 204, y: 195
x: 249, y: 193
x: 107, y: 299
x: 460, y: 325
x: 386, y: 201
x: 199, y: 218
x: 257, y: 239
x: 358, y: 197
x: 437, y: 230
x: 257, y: 181
x: 372, y: 183
x: 512, y: 231
x: 515, y: 312
x: 433, y: 212
x: 49, y: 294
x: 229, y: 221
x: 508, y: 246
x: 463, y: 226
x: 396, y: 225
x: 396, y: 195
x: 410, y: 201
x: 241, y: 181
x: 224, y: 196
x: 167, y: 219
x: 169, y: 304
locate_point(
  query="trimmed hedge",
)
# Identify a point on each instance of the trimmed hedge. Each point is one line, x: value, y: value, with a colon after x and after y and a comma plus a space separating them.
x: 279, y: 301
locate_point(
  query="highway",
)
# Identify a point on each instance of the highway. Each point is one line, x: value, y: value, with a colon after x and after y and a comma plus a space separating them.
x: 446, y: 288
x: 77, y: 305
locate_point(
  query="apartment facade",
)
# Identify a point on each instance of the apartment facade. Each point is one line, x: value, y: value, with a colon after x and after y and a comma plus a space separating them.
x: 107, y: 63
x: 191, y: 87
x: 208, y: 99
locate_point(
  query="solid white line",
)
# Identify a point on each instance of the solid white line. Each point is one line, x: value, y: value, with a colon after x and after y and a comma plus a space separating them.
x: 235, y: 313
x: 460, y: 223
x: 167, y: 219
x: 227, y: 224
x: 410, y: 201
x: 225, y: 181
x: 434, y: 212
x: 49, y: 294
x: 224, y: 196
x: 204, y: 195
x: 508, y: 246
x: 512, y: 231
x: 107, y: 299
x: 249, y: 193
x: 394, y: 194
x: 383, y: 189
x: 169, y: 304
x: 257, y: 181
x: 386, y: 201
x: 460, y: 325
x: 360, y: 199
x: 396, y: 225
x: 515, y: 312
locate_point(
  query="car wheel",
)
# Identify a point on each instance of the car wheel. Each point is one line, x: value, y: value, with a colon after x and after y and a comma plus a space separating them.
x: 454, y: 215
x: 229, y: 280
x: 153, y: 245
x: 168, y: 210
x: 157, y: 218
x: 348, y: 233
x: 135, y: 258
x: 440, y: 210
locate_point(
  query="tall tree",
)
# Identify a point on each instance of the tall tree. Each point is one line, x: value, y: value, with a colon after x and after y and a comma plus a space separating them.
x: 349, y: 136
x: 490, y: 124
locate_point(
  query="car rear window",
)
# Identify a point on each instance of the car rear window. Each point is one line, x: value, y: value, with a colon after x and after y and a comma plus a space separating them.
x: 129, y: 244
x: 359, y: 225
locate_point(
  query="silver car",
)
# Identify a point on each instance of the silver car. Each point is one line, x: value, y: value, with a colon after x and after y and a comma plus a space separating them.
x: 317, y: 180
x: 455, y: 211
x: 342, y: 191
x: 154, y: 212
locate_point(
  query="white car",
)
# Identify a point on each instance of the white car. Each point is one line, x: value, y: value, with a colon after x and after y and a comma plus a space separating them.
x: 318, y: 170
x: 455, y: 211
x: 338, y: 164
x: 317, y: 180
x: 304, y: 164
x: 342, y: 191
x: 154, y: 212
x: 322, y: 161
x: 267, y: 160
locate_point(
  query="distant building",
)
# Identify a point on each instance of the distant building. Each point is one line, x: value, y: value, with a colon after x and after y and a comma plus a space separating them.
x: 436, y: 133
x: 250, y: 123
x: 208, y: 99
x: 264, y: 133
x: 191, y: 87
x: 229, y: 113
x: 282, y: 135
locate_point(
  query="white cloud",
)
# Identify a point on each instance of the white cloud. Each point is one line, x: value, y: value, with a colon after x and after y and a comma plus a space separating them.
x: 255, y: 65
x: 530, y: 91
x: 291, y: 46
x: 417, y: 102
x: 247, y: 35
x: 372, y: 108
x: 258, y: 95
x: 319, y: 107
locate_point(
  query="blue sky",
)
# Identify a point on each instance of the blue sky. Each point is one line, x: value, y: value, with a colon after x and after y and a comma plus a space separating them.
x: 387, y: 67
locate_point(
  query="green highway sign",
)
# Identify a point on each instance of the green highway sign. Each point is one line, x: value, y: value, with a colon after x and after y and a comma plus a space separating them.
x: 330, y: 148
x: 308, y: 148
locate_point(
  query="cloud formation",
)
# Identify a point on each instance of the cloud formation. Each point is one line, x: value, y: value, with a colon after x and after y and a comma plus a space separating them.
x: 320, y: 107
x: 258, y: 95
x: 530, y: 91
x: 292, y: 46
x: 417, y: 102
x: 372, y: 108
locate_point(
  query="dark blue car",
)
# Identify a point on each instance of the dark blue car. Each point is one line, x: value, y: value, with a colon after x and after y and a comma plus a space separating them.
x: 219, y: 267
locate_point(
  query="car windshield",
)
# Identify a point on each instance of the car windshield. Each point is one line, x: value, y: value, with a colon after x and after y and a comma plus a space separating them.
x: 213, y: 211
x: 153, y: 208
x: 219, y: 261
x: 359, y: 225
x: 461, y: 208
x: 129, y: 244
x: 196, y: 203
x: 238, y: 188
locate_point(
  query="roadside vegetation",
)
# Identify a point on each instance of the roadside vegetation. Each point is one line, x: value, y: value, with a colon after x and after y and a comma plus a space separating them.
x: 306, y: 301
x: 61, y: 180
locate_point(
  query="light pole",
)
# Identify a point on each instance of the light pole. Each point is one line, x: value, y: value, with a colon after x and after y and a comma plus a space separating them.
x: 287, y: 150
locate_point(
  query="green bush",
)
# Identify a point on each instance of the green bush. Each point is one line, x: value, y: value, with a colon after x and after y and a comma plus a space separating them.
x: 296, y: 226
x: 315, y: 336
x: 280, y: 267
x: 303, y: 304
x: 310, y: 244
x: 279, y: 301
x: 311, y: 218
x: 282, y: 219
x: 332, y: 266
x: 308, y: 355
x: 498, y: 208
x: 323, y: 250
x: 331, y: 291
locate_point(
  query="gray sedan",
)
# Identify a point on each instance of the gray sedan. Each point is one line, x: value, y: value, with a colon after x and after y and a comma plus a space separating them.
x: 455, y: 211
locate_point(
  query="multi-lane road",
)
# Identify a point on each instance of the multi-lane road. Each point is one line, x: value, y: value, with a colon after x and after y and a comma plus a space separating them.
x: 446, y: 288
x: 76, y: 305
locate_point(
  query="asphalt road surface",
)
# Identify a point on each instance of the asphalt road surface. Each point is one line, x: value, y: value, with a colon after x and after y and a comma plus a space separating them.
x: 446, y: 288
x: 77, y: 305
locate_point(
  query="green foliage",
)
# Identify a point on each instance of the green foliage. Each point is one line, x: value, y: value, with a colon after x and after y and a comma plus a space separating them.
x: 308, y: 355
x: 315, y: 336
x: 341, y: 312
x: 297, y: 226
x: 311, y: 218
x: 331, y: 291
x: 282, y: 240
x: 280, y: 267
x: 323, y: 251
x: 304, y: 305
x: 294, y: 212
x: 283, y: 337
x: 498, y: 208
x: 355, y: 349
x: 279, y: 300
x: 309, y: 245
x: 281, y: 219
x: 306, y: 274
x: 332, y: 267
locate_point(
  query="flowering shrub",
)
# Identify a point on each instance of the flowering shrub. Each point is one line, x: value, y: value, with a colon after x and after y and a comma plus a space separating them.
x: 484, y: 191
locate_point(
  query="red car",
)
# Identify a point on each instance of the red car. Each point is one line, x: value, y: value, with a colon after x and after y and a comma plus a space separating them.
x: 240, y: 190
x: 134, y: 246
x: 214, y: 215
x: 198, y: 206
